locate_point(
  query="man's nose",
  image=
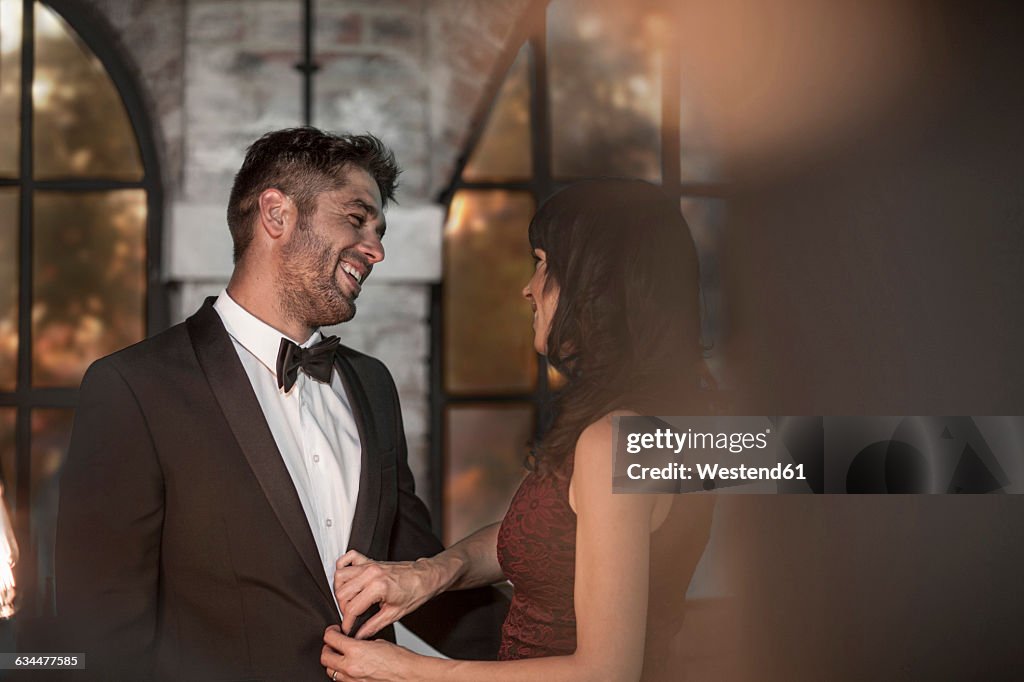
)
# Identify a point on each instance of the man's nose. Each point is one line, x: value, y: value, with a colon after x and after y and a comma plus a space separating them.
x: 372, y: 248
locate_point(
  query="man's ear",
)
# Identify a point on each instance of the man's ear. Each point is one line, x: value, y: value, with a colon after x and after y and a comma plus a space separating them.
x: 277, y: 213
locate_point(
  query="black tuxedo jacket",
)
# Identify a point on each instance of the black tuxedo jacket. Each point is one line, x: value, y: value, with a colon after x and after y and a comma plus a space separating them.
x: 182, y: 548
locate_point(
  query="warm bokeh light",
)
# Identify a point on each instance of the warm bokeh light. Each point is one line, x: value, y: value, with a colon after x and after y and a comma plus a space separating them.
x: 89, y: 293
x: 503, y: 151
x: 8, y: 468
x: 81, y: 125
x: 10, y: 85
x: 486, y: 448
x: 487, y: 323
x: 606, y: 63
x: 8, y: 559
x: 8, y: 485
x: 10, y: 26
x: 556, y: 379
x: 8, y: 288
x: 8, y: 488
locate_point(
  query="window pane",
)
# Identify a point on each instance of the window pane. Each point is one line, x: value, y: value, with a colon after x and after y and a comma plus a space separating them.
x: 696, y: 160
x: 485, y: 450
x: 503, y: 152
x: 8, y: 470
x: 51, y: 433
x: 487, y: 323
x: 605, y: 75
x: 81, y: 126
x: 10, y: 85
x: 8, y: 288
x: 90, y: 280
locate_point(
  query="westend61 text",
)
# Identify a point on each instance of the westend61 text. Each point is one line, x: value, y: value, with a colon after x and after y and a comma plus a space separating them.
x: 712, y: 472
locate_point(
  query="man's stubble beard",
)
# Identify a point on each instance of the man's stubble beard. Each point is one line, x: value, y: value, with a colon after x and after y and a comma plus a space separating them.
x: 309, y: 290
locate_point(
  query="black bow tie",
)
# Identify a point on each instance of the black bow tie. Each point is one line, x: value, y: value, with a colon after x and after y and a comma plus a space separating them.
x: 317, y: 361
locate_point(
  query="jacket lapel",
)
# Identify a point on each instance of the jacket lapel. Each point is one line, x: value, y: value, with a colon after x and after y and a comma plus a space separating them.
x: 364, y: 523
x: 234, y: 393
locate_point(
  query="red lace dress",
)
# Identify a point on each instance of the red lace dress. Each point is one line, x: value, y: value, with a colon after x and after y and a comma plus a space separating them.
x: 537, y: 552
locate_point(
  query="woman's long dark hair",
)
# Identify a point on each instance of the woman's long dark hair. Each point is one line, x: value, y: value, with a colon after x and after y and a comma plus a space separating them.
x: 626, y: 328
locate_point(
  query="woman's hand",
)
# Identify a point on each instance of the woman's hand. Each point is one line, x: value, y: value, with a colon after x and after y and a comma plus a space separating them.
x: 350, y: 660
x: 399, y: 587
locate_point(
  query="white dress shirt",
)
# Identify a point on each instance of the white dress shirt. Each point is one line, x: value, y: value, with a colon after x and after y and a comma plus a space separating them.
x: 313, y: 427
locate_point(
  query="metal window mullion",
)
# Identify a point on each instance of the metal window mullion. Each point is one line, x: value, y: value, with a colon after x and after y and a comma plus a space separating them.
x: 23, y: 424
x: 484, y: 398
x: 307, y: 67
x: 88, y: 184
x: 484, y: 186
x: 437, y: 465
x: 56, y: 397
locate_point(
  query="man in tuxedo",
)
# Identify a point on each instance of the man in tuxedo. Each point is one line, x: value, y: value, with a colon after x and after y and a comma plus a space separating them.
x: 219, y: 469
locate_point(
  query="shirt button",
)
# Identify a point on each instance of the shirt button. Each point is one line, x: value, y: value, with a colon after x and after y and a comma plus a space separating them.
x: 316, y: 458
x: 329, y: 523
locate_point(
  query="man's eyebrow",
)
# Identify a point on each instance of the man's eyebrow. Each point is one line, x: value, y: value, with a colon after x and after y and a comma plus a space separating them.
x: 370, y: 209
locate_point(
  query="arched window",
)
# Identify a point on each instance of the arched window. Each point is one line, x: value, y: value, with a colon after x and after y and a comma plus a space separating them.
x: 79, y: 249
x: 592, y: 88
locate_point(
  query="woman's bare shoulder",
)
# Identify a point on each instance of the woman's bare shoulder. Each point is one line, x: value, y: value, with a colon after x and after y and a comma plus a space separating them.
x: 593, y: 459
x: 600, y: 433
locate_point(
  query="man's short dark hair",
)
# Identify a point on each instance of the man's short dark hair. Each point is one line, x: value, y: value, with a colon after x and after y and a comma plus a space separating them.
x: 302, y: 163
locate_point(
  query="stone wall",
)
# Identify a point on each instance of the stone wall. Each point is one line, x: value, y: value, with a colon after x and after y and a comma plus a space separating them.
x: 216, y: 74
x: 150, y: 37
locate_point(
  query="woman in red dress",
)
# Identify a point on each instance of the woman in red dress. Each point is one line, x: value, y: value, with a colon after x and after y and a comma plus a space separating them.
x: 599, y: 579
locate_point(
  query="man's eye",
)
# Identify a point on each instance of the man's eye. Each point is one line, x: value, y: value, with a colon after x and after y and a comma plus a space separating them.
x: 358, y: 220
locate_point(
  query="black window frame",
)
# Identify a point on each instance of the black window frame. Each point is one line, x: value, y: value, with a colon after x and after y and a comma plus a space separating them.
x: 104, y: 43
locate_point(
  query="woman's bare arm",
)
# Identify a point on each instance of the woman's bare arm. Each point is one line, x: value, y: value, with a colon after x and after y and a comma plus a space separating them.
x: 403, y: 586
x: 612, y: 566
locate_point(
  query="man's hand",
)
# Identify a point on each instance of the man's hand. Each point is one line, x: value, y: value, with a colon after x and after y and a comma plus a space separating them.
x: 399, y: 587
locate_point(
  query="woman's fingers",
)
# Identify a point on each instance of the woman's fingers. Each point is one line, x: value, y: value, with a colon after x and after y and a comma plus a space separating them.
x: 357, y: 576
x: 359, y: 604
x: 357, y: 587
x: 380, y: 620
x: 367, y: 588
x: 334, y: 638
x: 343, y: 592
x: 351, y: 558
x: 343, y: 575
